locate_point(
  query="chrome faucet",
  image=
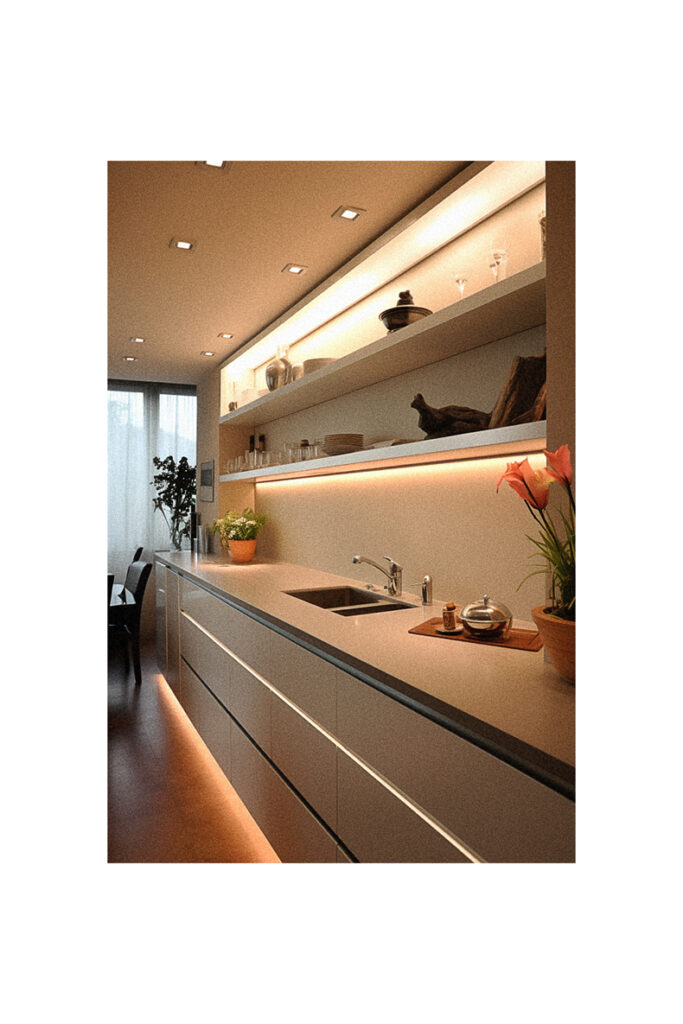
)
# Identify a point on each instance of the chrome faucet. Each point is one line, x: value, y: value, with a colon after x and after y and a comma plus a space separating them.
x: 394, y: 573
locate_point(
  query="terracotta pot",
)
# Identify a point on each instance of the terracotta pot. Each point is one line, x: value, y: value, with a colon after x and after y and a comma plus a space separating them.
x: 242, y: 550
x: 559, y: 640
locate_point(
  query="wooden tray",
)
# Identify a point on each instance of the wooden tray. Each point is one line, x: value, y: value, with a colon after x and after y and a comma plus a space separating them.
x: 516, y: 640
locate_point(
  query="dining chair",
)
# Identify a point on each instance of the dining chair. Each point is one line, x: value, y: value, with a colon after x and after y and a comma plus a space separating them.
x: 138, y: 555
x: 127, y: 626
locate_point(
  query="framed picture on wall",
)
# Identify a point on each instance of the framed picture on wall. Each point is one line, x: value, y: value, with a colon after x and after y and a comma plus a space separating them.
x: 206, y: 481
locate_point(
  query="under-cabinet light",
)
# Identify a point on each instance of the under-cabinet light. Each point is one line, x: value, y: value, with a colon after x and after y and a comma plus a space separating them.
x: 226, y: 335
x: 130, y: 359
x: 205, y: 353
x: 137, y: 341
x: 294, y: 268
x: 218, y: 165
x: 491, y: 189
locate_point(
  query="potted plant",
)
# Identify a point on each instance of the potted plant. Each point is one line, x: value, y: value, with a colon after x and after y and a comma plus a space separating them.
x: 557, y: 622
x: 238, y: 531
x: 176, y: 486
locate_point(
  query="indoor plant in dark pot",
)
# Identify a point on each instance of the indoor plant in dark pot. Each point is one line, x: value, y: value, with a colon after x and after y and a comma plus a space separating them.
x: 556, y: 623
x: 176, y: 486
x: 238, y: 532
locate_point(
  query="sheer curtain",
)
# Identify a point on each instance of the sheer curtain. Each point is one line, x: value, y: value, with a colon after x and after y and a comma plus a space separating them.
x: 144, y: 420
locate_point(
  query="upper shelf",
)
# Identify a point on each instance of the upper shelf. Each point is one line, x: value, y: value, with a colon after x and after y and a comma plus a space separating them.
x: 521, y: 439
x: 508, y: 307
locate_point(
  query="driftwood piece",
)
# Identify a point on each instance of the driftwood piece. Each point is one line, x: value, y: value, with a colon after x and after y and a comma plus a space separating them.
x: 450, y: 419
x: 520, y: 391
x: 536, y: 412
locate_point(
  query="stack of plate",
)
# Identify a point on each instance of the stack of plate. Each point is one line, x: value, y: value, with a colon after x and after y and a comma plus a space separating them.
x: 341, y: 444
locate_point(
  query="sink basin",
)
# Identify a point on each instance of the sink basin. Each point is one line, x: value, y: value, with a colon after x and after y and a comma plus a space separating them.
x: 349, y: 600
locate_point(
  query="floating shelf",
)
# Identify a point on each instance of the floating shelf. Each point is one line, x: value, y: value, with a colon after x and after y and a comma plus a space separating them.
x: 503, y: 309
x: 517, y: 440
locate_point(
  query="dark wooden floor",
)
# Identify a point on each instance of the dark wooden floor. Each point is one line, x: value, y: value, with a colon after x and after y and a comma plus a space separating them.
x: 168, y: 799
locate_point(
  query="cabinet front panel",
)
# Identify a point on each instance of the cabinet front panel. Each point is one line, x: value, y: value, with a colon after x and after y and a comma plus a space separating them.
x: 208, y: 717
x: 172, y: 630
x: 294, y: 833
x: 307, y: 758
x: 207, y: 658
x: 496, y: 810
x: 309, y: 681
x: 227, y: 624
x: 379, y: 828
x: 160, y: 625
x: 250, y: 704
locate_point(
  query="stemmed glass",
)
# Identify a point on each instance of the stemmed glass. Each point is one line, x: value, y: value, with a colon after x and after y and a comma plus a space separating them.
x: 499, y: 252
x: 461, y: 281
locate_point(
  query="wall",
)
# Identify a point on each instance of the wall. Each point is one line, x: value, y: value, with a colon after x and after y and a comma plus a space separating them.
x: 444, y: 520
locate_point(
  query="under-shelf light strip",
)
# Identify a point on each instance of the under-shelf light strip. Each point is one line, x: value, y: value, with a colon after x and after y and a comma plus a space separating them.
x: 427, y: 818
x: 292, y: 476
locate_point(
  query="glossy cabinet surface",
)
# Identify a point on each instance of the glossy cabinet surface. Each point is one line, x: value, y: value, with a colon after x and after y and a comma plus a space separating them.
x: 496, y: 810
x: 160, y: 586
x: 334, y: 770
x: 295, y: 833
x: 379, y: 827
x: 172, y: 630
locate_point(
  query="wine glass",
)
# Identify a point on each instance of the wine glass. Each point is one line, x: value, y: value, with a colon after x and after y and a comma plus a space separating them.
x: 499, y: 253
x: 461, y: 281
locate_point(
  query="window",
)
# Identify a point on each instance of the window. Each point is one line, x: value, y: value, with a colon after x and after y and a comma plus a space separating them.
x: 144, y: 420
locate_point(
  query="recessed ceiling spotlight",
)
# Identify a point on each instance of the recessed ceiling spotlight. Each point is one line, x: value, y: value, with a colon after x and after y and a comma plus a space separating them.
x: 348, y: 212
x: 207, y: 353
x: 218, y: 165
x: 294, y: 268
x: 137, y: 341
x: 184, y: 244
x: 226, y: 335
x: 130, y: 359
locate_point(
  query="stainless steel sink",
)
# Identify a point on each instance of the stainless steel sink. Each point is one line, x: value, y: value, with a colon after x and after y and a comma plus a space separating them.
x: 349, y: 600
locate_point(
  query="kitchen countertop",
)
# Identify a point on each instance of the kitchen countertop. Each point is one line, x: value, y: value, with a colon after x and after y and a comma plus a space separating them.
x: 510, y: 702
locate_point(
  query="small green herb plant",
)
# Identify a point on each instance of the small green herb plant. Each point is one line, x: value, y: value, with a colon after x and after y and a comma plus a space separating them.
x: 245, y: 525
x: 176, y: 487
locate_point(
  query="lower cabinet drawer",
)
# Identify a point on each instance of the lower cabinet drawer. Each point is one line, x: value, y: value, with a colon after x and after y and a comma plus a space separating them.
x: 208, y: 717
x: 172, y: 630
x: 207, y: 658
x: 497, y: 811
x: 294, y: 833
x: 378, y: 827
x: 307, y: 758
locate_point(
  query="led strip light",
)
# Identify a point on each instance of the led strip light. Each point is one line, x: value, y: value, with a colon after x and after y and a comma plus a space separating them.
x: 462, y: 847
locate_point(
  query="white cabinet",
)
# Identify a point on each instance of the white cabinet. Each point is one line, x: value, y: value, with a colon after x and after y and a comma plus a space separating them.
x: 495, y: 810
x: 172, y: 630
x: 377, y: 826
x: 208, y: 717
x: 334, y: 770
x: 208, y: 658
x: 295, y: 834
x: 307, y: 757
x: 160, y: 582
x: 250, y: 704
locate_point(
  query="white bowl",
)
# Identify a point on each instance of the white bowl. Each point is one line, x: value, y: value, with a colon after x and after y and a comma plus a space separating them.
x: 310, y: 365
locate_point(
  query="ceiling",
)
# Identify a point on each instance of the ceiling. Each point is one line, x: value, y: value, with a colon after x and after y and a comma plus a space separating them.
x: 248, y: 220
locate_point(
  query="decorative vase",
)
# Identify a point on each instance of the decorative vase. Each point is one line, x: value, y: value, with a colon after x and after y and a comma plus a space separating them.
x: 559, y: 639
x: 279, y: 372
x: 242, y: 550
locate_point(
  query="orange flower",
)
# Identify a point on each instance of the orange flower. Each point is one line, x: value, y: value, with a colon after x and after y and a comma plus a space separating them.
x: 560, y: 464
x: 531, y: 484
